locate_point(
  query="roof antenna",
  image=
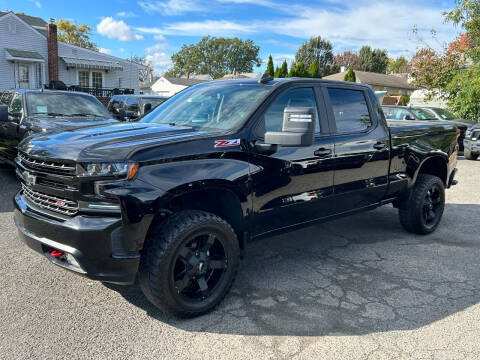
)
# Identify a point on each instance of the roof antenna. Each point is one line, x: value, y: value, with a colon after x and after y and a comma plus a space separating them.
x: 265, y: 79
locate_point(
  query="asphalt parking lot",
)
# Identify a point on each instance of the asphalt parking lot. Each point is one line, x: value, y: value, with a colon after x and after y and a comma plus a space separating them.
x: 355, y: 288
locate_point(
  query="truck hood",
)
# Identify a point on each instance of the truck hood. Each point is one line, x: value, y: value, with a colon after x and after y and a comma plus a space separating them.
x: 105, y: 143
x: 56, y: 124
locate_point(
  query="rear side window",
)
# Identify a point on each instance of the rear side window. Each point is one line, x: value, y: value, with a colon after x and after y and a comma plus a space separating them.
x: 301, y: 97
x: 350, y: 110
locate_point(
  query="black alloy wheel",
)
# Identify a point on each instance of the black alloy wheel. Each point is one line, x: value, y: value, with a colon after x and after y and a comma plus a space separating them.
x: 432, y: 205
x: 189, y: 262
x: 199, y: 267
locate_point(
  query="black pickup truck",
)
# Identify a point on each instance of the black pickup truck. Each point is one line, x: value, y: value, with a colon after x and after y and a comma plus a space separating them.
x: 27, y: 112
x: 175, y: 197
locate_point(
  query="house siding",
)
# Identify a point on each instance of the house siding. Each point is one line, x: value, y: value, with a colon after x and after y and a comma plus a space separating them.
x: 111, y: 79
x: 25, y: 38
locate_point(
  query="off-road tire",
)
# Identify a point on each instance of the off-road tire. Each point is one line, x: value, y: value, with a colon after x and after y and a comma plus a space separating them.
x: 411, y: 207
x: 164, y: 239
x: 469, y: 156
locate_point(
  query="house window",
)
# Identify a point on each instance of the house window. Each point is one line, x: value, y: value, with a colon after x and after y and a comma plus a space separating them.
x: 97, y: 79
x: 83, y: 79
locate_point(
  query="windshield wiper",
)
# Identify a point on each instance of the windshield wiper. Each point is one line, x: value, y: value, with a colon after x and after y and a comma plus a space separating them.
x: 48, y: 114
x: 86, y: 115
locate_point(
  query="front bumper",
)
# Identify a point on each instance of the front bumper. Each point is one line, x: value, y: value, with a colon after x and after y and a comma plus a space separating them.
x: 98, y: 244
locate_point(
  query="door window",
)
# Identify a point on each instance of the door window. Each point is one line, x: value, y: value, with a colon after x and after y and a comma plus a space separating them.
x: 23, y: 76
x: 84, y: 78
x: 300, y: 97
x: 350, y: 110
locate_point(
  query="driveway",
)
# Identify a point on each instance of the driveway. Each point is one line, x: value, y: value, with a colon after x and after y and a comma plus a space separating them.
x: 355, y: 288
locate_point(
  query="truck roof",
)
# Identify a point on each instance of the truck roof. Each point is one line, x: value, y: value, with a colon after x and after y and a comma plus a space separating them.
x: 278, y: 81
x: 39, y: 91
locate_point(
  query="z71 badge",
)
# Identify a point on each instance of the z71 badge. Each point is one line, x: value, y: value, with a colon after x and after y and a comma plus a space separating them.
x: 227, y: 143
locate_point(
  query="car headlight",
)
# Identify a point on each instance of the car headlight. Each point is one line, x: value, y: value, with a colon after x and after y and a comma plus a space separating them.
x: 467, y: 133
x: 116, y: 169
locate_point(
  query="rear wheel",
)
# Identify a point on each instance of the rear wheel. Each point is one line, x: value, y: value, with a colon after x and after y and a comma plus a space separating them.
x: 421, y: 211
x: 189, y: 263
x: 469, y: 156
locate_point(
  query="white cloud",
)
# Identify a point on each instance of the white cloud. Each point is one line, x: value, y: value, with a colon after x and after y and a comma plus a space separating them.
x: 159, y: 37
x: 172, y: 7
x: 122, y: 50
x: 105, y: 51
x: 201, y: 28
x: 348, y: 25
x: 126, y: 14
x: 38, y: 4
x: 266, y: 3
x: 114, y: 29
x: 160, y: 61
x: 159, y: 47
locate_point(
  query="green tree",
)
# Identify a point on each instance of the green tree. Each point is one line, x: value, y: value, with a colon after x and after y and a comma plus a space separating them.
x: 75, y: 34
x: 466, y: 14
x: 398, y: 65
x: 277, y: 72
x: 316, y: 49
x: 216, y: 57
x: 464, y: 93
x: 301, y: 70
x: 350, y: 75
x: 315, y: 70
x: 270, y: 69
x: 284, y: 69
x: 293, y: 70
x: 373, y: 60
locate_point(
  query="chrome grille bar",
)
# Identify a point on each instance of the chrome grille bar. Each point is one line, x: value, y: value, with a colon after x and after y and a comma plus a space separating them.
x: 49, y: 202
x: 46, y: 165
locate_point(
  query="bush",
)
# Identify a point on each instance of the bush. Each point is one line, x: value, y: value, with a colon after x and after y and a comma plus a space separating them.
x: 350, y: 76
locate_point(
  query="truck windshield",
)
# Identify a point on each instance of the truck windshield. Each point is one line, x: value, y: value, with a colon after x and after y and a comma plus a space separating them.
x: 445, y: 114
x: 154, y: 101
x: 58, y: 104
x: 217, y: 106
x: 422, y: 114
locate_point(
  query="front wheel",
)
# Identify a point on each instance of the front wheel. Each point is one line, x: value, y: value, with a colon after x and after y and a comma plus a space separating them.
x: 469, y: 156
x: 189, y: 263
x: 421, y: 211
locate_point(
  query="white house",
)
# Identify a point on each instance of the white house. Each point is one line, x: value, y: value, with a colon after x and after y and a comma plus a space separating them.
x: 169, y: 86
x: 31, y: 56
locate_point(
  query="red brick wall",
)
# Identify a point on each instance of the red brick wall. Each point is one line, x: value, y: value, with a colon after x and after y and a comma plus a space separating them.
x: 52, y: 47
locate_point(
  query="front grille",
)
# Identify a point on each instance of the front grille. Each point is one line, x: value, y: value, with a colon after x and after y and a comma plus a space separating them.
x: 47, y: 165
x: 49, y: 202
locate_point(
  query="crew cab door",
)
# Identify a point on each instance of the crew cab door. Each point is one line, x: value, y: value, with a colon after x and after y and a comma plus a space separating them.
x: 9, y: 138
x: 362, y: 147
x: 291, y: 185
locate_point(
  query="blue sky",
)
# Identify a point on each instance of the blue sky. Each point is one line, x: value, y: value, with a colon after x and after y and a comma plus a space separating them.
x: 157, y: 29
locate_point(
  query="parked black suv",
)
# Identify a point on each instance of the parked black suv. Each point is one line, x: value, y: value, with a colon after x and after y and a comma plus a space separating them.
x: 176, y: 196
x: 132, y: 107
x: 27, y: 112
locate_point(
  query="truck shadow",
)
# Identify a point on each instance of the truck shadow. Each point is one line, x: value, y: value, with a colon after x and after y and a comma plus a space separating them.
x: 357, y: 275
x: 8, y: 187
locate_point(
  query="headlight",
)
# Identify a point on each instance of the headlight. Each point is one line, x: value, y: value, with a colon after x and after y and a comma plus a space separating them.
x: 117, y: 169
x: 467, y: 133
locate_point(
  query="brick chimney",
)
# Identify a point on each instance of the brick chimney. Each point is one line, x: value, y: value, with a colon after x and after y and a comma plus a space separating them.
x: 52, y: 47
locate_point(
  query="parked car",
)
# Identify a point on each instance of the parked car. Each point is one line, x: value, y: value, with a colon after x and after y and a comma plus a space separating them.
x: 421, y: 114
x: 27, y: 112
x: 133, y: 107
x: 175, y: 197
x: 472, y: 142
x: 445, y: 115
